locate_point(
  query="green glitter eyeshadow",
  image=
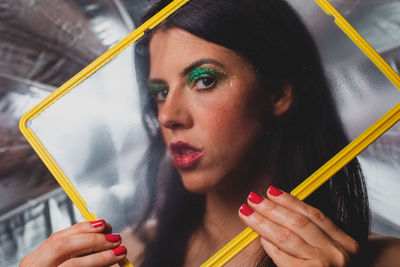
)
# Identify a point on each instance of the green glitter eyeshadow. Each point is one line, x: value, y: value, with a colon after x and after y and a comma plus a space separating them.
x: 155, y: 87
x: 203, y: 72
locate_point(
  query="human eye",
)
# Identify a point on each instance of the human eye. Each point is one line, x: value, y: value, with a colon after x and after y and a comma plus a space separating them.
x: 159, y: 91
x: 203, y: 78
x: 204, y: 83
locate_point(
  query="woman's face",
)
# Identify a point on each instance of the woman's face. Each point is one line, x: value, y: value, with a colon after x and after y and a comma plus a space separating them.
x: 210, y: 108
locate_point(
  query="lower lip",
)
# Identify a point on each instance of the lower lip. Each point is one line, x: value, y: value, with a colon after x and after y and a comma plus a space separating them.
x: 186, y: 161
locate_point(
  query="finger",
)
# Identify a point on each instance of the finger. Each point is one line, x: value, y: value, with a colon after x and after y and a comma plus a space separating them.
x: 100, y: 259
x: 280, y: 236
x: 316, y: 216
x: 108, y: 229
x: 64, y: 248
x: 292, y: 220
x: 80, y: 228
x: 279, y: 257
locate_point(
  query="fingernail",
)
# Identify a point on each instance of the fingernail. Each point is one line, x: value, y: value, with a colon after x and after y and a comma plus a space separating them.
x: 245, y: 210
x: 98, y: 223
x: 121, y: 250
x: 255, y: 198
x: 274, y: 191
x: 113, y: 238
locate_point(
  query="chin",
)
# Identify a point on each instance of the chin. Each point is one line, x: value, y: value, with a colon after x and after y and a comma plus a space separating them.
x: 196, y: 183
x: 196, y: 188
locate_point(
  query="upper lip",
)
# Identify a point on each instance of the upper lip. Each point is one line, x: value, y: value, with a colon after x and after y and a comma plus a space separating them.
x: 181, y: 147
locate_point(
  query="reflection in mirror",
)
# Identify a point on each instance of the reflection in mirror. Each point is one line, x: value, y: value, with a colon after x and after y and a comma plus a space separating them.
x: 363, y: 93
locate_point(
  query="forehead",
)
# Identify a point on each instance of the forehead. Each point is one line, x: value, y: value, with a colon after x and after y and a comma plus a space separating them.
x: 175, y: 48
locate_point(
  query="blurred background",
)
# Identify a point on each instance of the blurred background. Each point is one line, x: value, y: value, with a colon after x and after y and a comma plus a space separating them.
x: 43, y: 43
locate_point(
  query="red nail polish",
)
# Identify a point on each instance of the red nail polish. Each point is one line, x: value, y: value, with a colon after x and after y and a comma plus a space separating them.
x: 98, y: 223
x: 121, y: 250
x: 274, y: 191
x: 113, y: 238
x: 255, y: 198
x: 245, y: 210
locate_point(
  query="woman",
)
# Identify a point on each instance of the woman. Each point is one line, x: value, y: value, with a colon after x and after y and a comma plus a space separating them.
x: 269, y: 126
x: 235, y: 92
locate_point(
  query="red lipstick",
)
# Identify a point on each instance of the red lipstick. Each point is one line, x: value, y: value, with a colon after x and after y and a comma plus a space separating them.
x: 184, y: 156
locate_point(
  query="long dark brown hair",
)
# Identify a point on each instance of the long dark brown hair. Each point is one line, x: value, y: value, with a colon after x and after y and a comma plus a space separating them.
x: 270, y: 35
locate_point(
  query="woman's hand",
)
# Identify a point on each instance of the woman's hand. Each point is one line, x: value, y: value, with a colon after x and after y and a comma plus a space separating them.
x: 296, y: 234
x: 83, y: 244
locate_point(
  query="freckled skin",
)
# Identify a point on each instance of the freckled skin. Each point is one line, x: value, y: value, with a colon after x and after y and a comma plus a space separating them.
x: 223, y: 123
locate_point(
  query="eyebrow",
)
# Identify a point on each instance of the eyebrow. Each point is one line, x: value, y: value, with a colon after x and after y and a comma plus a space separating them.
x: 189, y: 68
x: 155, y: 81
x: 200, y: 62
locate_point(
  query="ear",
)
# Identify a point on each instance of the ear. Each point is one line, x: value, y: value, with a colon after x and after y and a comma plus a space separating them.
x: 282, y: 100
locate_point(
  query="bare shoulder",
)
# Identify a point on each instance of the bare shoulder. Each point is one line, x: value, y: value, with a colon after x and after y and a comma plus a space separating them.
x: 135, y: 241
x: 384, y: 251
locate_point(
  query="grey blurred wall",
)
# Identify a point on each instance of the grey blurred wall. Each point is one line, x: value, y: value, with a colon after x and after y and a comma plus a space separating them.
x: 43, y: 43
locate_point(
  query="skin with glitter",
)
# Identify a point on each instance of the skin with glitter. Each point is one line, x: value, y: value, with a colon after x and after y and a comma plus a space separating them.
x: 203, y: 77
x: 158, y: 88
x: 185, y: 160
x: 206, y: 74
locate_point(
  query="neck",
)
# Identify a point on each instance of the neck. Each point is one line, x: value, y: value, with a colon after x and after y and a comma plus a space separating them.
x: 221, y: 217
x: 221, y: 223
x: 221, y: 220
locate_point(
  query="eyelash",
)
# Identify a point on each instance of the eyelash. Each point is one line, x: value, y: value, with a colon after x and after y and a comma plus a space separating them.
x: 202, y: 78
x: 194, y: 81
x: 156, y: 94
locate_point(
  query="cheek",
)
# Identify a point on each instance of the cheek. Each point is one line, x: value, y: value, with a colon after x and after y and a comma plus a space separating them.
x: 165, y: 134
x: 219, y: 119
x: 229, y: 127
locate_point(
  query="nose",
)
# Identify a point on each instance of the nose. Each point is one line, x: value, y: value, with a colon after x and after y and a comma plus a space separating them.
x: 175, y: 112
